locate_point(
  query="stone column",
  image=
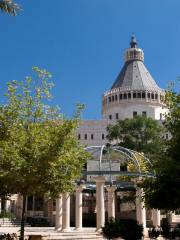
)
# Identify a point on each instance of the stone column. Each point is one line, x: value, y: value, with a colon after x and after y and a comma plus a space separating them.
x: 156, y: 217
x: 100, y: 210
x: 65, y: 212
x: 140, y: 208
x: 79, y: 207
x: 59, y: 213
x: 111, y: 201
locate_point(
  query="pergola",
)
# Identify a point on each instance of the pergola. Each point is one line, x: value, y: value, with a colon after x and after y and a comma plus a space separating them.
x: 103, y: 170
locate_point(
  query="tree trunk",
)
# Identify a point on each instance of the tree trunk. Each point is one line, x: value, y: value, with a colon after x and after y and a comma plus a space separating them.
x: 23, y: 218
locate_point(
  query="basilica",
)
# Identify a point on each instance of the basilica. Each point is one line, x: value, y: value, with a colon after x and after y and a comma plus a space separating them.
x: 134, y: 92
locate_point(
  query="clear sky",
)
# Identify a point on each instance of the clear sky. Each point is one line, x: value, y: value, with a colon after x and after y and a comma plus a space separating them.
x: 81, y: 42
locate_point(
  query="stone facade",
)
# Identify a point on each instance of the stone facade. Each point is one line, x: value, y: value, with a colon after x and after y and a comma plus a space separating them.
x: 134, y: 92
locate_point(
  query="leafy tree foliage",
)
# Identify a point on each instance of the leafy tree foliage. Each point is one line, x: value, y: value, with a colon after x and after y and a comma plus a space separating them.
x: 10, y: 7
x: 164, y: 191
x: 141, y: 134
x: 39, y: 151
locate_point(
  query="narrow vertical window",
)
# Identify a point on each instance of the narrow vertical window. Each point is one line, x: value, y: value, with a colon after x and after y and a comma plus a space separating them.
x: 92, y: 136
x: 160, y: 116
x: 144, y: 114
x: 85, y: 136
x: 143, y: 95
x: 134, y: 114
x: 117, y: 116
x: 79, y: 136
x: 102, y: 136
x: 110, y: 117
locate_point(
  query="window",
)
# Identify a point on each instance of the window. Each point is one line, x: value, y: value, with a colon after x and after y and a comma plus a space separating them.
x: 123, y: 168
x: 38, y: 204
x: 144, y: 114
x: 85, y: 136
x: 79, y: 136
x: 139, y: 95
x: 134, y: 114
x: 92, y: 136
x: 143, y: 95
x: 125, y: 96
x: 117, y: 116
x: 120, y: 96
x: 160, y: 116
x: 110, y: 117
x: 30, y: 203
x: 134, y: 95
x: 102, y: 136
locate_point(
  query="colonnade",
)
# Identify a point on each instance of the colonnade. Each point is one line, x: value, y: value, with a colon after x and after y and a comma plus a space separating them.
x: 63, y: 207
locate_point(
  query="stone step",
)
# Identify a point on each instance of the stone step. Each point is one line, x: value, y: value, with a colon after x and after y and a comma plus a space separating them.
x: 77, y: 236
x: 11, y: 222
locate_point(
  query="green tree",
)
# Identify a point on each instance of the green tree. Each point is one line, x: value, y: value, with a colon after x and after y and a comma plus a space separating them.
x: 39, y: 151
x: 10, y: 7
x: 163, y: 192
x: 141, y: 134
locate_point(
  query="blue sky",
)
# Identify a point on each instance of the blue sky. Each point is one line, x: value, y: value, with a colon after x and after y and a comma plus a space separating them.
x: 81, y: 42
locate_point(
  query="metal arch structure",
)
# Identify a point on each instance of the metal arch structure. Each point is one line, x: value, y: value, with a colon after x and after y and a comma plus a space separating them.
x: 124, y: 153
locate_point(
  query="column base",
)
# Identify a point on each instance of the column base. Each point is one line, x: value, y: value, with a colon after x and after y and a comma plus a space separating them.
x: 145, y: 232
x: 66, y: 230
x: 99, y: 230
x: 58, y: 229
x: 79, y: 229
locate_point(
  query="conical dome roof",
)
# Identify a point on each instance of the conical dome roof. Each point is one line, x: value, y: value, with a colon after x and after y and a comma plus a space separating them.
x: 134, y: 75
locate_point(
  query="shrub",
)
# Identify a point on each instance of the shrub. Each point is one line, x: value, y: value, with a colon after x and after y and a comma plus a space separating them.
x: 12, y: 236
x: 154, y: 233
x: 127, y: 229
x: 165, y: 226
x: 130, y: 229
x: 111, y: 228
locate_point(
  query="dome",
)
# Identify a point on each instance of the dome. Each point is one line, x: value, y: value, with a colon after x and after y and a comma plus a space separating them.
x: 134, y: 75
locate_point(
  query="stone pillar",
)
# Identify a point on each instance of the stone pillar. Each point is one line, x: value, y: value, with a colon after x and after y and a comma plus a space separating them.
x: 59, y: 213
x: 100, y: 210
x: 140, y: 208
x: 65, y: 212
x: 111, y: 201
x: 79, y: 207
x: 156, y: 218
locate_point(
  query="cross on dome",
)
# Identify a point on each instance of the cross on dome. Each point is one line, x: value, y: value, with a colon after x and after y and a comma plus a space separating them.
x: 133, y: 42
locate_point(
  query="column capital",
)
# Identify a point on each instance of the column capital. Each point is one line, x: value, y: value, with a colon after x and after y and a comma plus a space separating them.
x: 100, y: 179
x: 111, y: 188
x: 80, y: 188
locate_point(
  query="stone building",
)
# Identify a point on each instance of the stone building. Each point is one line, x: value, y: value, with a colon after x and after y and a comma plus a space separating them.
x: 134, y: 92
